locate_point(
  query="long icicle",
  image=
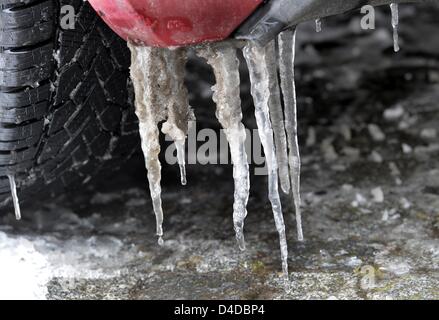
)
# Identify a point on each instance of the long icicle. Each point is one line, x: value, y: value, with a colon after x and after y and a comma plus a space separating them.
x: 176, y: 125
x: 277, y: 117
x: 225, y: 64
x: 395, y: 23
x: 14, y: 197
x: 151, y: 86
x: 255, y: 57
x: 286, y: 63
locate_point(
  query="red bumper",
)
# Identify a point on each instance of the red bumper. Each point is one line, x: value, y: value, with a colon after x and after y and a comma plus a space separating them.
x: 168, y: 23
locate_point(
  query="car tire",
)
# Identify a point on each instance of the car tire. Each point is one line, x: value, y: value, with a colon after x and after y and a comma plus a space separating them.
x: 65, y: 111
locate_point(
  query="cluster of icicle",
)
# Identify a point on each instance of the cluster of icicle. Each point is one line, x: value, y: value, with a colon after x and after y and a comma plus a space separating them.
x: 158, y: 79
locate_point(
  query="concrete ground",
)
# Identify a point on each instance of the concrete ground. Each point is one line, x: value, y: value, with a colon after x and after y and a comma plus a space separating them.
x: 370, y: 188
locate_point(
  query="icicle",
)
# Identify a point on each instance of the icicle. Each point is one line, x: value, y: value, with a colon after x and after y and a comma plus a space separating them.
x: 255, y: 57
x: 395, y: 23
x: 286, y: 62
x: 15, y: 197
x: 181, y: 157
x: 277, y: 117
x: 319, y: 25
x: 152, y: 90
x: 178, y: 105
x: 224, y: 61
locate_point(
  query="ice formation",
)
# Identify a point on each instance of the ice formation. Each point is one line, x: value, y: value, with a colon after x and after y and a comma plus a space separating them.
x: 225, y: 64
x: 158, y: 78
x: 260, y: 88
x: 277, y: 117
x: 178, y: 105
x: 395, y: 22
x: 286, y: 63
x: 15, y: 197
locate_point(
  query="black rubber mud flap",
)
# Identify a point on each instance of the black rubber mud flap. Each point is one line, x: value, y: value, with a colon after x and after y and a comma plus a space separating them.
x: 65, y: 111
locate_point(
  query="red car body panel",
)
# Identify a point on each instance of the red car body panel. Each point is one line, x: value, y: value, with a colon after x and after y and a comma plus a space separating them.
x: 169, y: 23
